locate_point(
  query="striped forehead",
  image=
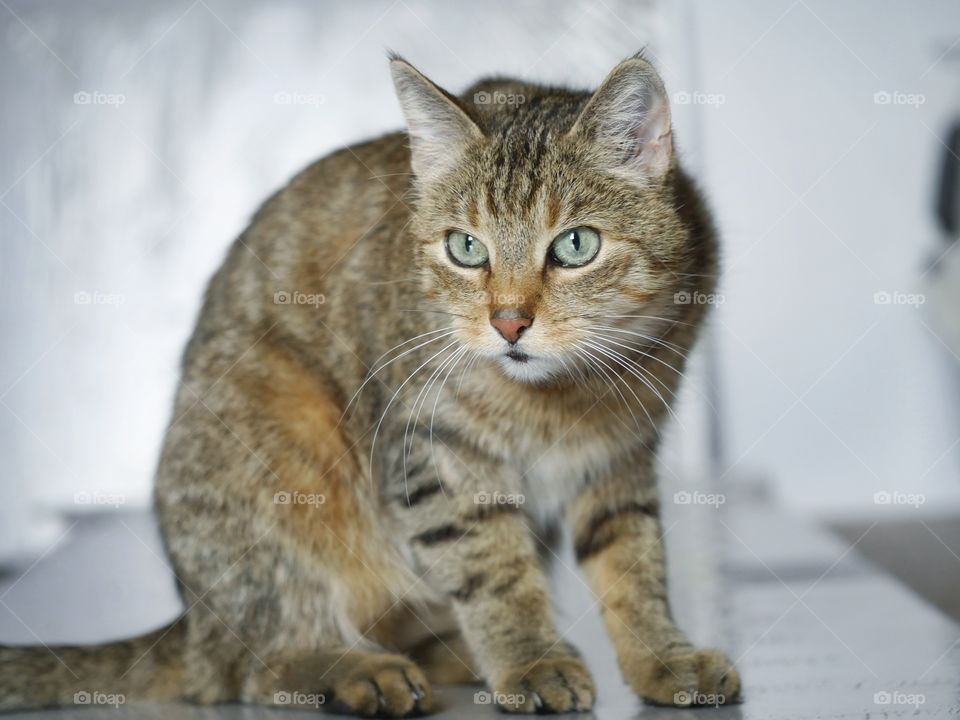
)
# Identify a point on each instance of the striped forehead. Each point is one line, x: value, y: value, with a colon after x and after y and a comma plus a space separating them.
x: 510, y: 195
x: 513, y: 196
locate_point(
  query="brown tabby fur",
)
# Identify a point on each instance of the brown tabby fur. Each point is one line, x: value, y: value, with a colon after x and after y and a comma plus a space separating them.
x: 403, y: 562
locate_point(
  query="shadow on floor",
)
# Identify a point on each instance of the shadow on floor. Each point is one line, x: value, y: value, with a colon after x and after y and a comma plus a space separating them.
x: 923, y: 554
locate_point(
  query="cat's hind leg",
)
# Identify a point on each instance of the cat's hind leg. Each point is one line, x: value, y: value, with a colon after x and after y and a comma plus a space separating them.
x: 446, y: 660
x: 281, y: 554
x: 430, y: 636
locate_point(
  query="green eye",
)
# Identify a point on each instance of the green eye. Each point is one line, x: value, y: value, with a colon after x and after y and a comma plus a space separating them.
x: 576, y: 247
x: 466, y: 250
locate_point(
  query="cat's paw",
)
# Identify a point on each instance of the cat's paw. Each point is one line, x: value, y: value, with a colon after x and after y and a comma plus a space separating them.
x: 383, y: 686
x: 691, y: 677
x: 550, y: 685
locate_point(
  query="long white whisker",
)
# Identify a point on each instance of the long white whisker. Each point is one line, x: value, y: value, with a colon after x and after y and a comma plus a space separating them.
x: 394, y: 397
x: 626, y: 363
x: 467, y: 368
x: 619, y: 377
x: 424, y: 393
x: 650, y: 338
x: 433, y: 414
x: 576, y: 374
x: 634, y: 367
x: 623, y: 397
x: 449, y: 328
x: 648, y: 317
x: 632, y: 347
x: 372, y: 373
x: 613, y: 385
x: 436, y: 312
x: 659, y: 341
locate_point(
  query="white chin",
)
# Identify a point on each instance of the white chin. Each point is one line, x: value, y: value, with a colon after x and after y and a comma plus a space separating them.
x: 533, y: 370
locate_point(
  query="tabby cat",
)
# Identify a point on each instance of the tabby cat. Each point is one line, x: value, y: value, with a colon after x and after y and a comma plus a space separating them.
x: 425, y: 353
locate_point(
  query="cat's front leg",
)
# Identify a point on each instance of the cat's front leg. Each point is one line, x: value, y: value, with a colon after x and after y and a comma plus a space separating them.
x: 480, y: 553
x: 618, y: 542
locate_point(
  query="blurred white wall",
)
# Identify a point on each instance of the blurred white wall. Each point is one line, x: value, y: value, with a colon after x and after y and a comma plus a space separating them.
x: 821, y: 143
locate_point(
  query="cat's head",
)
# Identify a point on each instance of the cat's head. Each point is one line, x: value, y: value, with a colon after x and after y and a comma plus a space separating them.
x: 544, y: 216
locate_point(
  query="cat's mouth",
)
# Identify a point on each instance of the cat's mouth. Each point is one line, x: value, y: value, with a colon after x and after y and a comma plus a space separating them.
x: 525, y: 368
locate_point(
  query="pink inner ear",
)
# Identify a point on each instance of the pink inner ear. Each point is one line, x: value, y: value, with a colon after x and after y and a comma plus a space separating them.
x: 654, y: 153
x: 654, y: 140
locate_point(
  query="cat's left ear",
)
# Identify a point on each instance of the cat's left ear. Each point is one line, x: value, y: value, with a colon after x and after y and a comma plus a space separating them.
x: 628, y: 119
x: 439, y: 129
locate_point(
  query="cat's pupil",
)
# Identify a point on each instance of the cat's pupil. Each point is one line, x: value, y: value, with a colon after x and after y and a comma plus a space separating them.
x: 468, y: 243
x: 575, y: 239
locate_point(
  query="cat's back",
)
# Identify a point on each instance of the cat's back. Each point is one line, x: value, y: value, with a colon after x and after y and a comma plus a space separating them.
x: 343, y: 194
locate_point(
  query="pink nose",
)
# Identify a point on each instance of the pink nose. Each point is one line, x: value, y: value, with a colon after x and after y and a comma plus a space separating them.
x: 510, y: 327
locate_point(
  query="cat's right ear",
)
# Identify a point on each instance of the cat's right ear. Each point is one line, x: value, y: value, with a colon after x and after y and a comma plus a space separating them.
x: 439, y: 129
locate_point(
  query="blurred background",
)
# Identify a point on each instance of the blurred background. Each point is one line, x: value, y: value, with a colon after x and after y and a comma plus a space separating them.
x: 137, y: 139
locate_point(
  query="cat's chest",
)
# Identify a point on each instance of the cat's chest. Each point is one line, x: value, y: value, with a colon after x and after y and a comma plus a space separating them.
x: 545, y: 447
x: 555, y: 461
x: 550, y: 482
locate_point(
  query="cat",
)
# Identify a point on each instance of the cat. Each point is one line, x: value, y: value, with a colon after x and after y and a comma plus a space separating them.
x: 423, y: 355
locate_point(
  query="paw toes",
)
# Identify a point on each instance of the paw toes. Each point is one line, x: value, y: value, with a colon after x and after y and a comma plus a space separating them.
x: 720, y: 676
x: 355, y: 698
x: 552, y: 685
x: 698, y: 677
x: 395, y: 695
x: 394, y: 689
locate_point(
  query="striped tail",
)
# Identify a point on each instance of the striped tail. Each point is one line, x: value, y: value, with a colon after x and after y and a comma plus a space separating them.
x: 149, y: 667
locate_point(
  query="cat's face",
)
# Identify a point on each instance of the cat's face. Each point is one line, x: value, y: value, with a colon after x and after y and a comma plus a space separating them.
x: 544, y: 229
